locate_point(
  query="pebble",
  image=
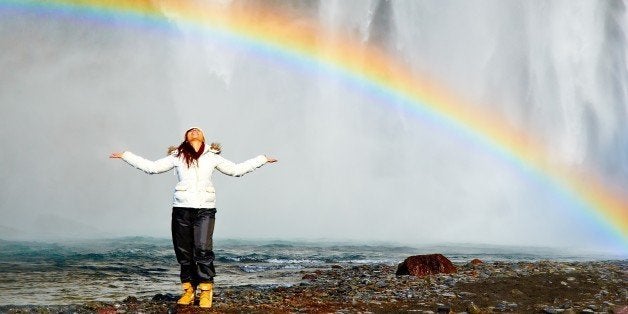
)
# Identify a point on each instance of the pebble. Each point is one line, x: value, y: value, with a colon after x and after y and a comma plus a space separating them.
x: 516, y: 292
x: 442, y: 308
x: 464, y: 294
x: 567, y: 304
x: 375, y: 288
x: 473, y: 309
x: 501, y: 306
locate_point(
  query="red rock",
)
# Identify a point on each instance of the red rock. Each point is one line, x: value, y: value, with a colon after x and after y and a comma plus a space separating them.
x: 422, y: 265
x: 476, y: 262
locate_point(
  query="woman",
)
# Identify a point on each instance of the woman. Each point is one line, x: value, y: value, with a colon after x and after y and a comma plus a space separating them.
x: 194, y: 210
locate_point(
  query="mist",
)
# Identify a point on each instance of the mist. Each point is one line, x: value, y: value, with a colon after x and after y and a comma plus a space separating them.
x: 351, y: 167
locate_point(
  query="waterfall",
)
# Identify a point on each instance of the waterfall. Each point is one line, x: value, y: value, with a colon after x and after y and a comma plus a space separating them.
x: 351, y: 166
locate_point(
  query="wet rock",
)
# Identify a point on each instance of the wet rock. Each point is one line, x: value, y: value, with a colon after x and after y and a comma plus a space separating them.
x: 476, y: 262
x: 130, y: 299
x: 473, y: 309
x: 168, y: 297
x: 422, y: 265
x: 309, y: 277
x: 464, y: 294
x: 502, y: 306
x: 342, y: 291
x: 94, y: 305
x: 485, y: 274
x: 443, y: 308
x: 567, y: 304
x: 517, y: 292
x: 448, y: 295
x: 450, y: 281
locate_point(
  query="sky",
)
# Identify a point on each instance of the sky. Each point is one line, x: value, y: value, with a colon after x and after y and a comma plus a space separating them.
x: 353, y: 166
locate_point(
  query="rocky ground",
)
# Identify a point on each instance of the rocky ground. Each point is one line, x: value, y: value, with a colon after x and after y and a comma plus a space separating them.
x: 540, y: 287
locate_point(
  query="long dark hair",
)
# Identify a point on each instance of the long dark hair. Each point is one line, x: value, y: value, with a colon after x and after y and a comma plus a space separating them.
x: 186, y: 150
x: 215, y: 148
x: 188, y: 153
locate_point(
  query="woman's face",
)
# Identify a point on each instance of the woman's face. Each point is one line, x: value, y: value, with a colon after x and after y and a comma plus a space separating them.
x: 195, y: 135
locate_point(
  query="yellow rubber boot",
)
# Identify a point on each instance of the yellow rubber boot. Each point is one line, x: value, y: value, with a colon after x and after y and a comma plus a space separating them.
x: 188, y: 294
x: 206, y: 296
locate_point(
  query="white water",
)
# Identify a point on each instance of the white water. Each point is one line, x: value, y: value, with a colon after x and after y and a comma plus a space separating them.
x: 351, y: 167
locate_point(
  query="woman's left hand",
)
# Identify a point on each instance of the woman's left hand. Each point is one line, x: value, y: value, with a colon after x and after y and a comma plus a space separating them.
x: 270, y: 159
x: 116, y: 155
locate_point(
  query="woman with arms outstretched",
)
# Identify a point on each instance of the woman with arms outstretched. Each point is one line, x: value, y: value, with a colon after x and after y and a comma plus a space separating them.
x: 193, y: 209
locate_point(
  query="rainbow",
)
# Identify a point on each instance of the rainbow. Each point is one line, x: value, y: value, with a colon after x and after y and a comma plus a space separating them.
x: 277, y: 34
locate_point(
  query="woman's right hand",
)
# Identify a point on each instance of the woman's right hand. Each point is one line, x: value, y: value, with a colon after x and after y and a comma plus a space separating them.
x: 116, y: 155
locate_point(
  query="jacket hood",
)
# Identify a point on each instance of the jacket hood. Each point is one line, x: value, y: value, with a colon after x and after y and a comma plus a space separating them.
x: 213, y: 148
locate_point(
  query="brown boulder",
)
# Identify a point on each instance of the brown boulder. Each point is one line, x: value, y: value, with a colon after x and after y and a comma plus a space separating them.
x: 422, y: 265
x: 476, y: 262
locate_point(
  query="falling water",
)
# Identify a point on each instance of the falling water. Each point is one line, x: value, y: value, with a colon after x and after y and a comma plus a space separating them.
x: 74, y: 89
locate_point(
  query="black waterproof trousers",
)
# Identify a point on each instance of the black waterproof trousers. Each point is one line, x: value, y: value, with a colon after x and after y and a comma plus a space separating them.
x: 192, y: 231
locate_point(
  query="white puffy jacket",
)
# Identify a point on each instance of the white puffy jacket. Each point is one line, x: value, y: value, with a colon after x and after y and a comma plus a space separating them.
x: 195, y: 188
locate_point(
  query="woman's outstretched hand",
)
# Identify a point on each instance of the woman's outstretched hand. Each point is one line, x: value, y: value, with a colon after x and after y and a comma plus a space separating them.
x: 116, y: 155
x: 270, y: 159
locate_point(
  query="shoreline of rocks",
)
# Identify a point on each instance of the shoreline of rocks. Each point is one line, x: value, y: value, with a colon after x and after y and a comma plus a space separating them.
x: 477, y: 287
